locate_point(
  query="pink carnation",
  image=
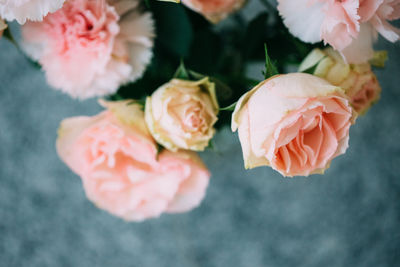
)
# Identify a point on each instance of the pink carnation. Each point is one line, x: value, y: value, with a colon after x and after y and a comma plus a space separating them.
x: 89, y: 48
x: 349, y: 26
x: 117, y: 160
x: 22, y: 10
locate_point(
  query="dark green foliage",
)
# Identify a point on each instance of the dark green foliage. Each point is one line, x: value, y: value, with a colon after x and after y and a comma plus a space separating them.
x: 220, y: 53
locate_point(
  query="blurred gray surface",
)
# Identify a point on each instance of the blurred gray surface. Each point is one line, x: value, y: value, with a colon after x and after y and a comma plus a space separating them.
x: 349, y: 217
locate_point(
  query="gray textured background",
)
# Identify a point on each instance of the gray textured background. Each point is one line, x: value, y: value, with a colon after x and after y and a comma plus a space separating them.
x: 349, y: 217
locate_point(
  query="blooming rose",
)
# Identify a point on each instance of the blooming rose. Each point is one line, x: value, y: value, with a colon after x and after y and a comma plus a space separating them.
x: 214, y: 10
x: 22, y: 10
x: 358, y: 80
x: 3, y: 26
x: 116, y: 158
x: 181, y: 114
x: 90, y: 47
x: 295, y: 123
x: 350, y: 26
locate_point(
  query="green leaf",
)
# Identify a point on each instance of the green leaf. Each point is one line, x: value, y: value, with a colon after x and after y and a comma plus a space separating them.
x: 254, y: 36
x: 229, y: 108
x: 223, y: 91
x: 174, y: 30
x: 270, y: 69
x: 182, y: 73
x: 206, y: 51
x: 211, y: 145
x: 196, y: 76
x: 379, y: 59
x: 115, y: 97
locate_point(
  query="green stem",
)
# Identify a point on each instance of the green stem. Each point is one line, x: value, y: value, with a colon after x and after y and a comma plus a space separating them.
x: 8, y: 35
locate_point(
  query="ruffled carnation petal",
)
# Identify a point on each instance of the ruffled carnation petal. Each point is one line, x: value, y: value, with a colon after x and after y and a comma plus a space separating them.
x: 88, y: 49
x: 23, y: 10
x: 303, y: 18
x: 116, y: 158
x: 341, y: 23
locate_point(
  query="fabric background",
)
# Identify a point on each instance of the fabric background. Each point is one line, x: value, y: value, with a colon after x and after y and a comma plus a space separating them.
x: 348, y: 217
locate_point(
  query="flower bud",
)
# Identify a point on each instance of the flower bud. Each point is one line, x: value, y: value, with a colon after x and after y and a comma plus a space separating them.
x: 358, y: 80
x: 181, y: 114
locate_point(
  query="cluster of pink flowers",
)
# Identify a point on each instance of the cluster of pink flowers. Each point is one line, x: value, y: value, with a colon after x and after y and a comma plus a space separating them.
x: 118, y: 161
x: 116, y: 153
x: 296, y: 123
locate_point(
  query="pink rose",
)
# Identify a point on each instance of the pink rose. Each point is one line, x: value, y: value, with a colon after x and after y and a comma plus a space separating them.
x: 116, y: 158
x: 181, y: 114
x: 22, y: 10
x: 358, y: 81
x: 349, y: 26
x: 295, y: 123
x: 214, y: 10
x: 89, y: 48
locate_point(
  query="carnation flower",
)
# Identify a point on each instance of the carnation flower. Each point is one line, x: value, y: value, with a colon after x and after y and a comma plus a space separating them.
x: 22, y: 10
x: 117, y: 160
x: 90, y: 48
x: 349, y: 26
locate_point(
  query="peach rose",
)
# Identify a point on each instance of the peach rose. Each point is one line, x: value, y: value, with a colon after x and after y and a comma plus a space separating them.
x: 90, y: 48
x: 214, y: 10
x: 116, y: 158
x: 295, y: 123
x: 358, y: 80
x: 349, y: 26
x: 22, y: 10
x: 181, y: 114
x: 3, y: 26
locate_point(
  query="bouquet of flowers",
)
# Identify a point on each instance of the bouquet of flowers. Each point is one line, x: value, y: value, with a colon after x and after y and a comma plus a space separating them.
x: 170, y: 73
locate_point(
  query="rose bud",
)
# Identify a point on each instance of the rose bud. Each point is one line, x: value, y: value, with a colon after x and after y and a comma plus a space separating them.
x: 34, y: 10
x: 214, y: 10
x: 358, y: 80
x: 116, y: 158
x: 295, y: 123
x: 181, y: 114
x: 89, y: 48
